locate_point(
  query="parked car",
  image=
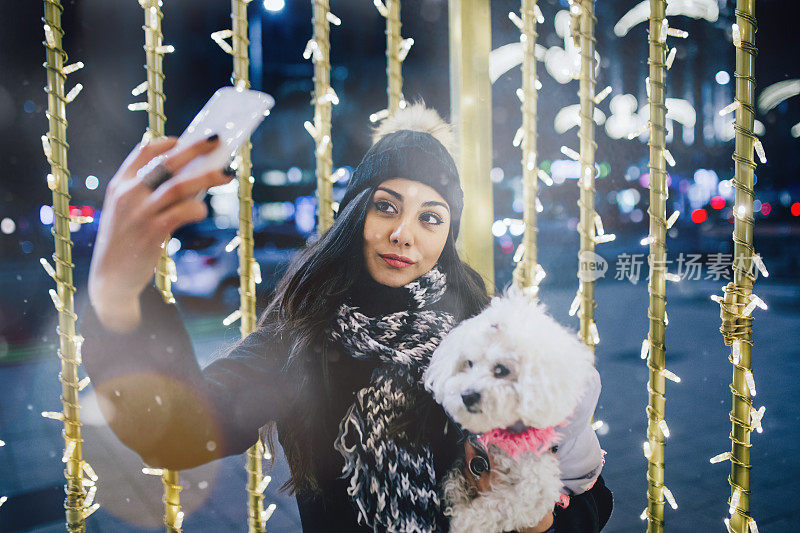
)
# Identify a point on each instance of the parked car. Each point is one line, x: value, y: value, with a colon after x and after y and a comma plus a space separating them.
x: 206, y: 270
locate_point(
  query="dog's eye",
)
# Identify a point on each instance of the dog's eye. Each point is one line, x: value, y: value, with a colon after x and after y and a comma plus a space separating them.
x: 466, y: 364
x: 501, y: 371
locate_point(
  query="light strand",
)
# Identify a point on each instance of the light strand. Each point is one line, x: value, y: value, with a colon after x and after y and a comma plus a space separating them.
x: 55, y: 148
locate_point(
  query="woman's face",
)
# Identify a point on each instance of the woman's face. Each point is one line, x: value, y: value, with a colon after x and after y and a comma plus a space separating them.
x: 405, y: 231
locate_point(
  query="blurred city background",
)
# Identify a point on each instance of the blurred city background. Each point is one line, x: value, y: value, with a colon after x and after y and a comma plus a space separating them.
x: 107, y: 37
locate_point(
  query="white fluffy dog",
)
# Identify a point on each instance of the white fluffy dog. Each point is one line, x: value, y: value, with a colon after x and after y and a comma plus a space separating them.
x: 512, y: 374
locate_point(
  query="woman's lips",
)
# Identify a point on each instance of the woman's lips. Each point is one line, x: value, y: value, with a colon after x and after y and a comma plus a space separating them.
x: 396, y: 261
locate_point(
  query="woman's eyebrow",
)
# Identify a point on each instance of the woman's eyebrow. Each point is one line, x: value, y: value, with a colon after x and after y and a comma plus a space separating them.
x: 432, y: 202
x: 393, y: 193
x: 425, y: 204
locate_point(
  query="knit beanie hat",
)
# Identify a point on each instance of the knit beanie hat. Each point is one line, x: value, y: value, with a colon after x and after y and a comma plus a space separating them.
x: 409, y: 145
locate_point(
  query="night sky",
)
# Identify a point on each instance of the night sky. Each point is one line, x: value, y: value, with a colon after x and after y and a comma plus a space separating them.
x: 107, y: 37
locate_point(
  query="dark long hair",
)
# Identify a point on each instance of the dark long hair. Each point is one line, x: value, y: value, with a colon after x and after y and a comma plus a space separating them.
x: 310, y: 293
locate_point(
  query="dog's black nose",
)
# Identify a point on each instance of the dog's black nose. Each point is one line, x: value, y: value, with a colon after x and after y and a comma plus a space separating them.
x: 471, y: 398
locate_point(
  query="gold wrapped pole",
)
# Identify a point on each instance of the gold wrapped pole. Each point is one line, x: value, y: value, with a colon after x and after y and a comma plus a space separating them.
x: 739, y: 301
x: 657, y: 429
x: 471, y: 112
x: 584, y: 23
x: 528, y: 273
x: 396, y: 50
x: 318, y: 50
x: 249, y: 271
x: 78, y: 507
x: 165, y: 269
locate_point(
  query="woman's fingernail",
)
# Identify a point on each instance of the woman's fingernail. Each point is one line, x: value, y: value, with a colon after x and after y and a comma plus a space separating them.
x: 228, y: 171
x: 212, y: 138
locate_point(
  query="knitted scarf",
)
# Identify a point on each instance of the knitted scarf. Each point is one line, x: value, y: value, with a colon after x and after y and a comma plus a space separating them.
x: 392, y: 483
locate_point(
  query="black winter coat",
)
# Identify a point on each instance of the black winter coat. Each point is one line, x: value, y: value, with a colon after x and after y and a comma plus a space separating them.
x: 150, y: 379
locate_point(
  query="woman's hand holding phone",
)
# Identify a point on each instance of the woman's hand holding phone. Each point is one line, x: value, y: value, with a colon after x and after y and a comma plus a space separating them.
x: 136, y: 220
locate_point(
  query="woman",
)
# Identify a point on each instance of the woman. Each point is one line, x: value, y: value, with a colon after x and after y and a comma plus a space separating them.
x: 337, y: 359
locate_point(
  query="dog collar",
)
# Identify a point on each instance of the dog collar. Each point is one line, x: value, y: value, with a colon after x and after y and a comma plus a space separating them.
x: 536, y: 440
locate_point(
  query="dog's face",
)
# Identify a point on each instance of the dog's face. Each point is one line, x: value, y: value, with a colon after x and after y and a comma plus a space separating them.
x: 510, y: 363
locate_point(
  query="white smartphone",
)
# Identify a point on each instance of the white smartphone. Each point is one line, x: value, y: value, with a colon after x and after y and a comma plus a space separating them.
x: 231, y: 113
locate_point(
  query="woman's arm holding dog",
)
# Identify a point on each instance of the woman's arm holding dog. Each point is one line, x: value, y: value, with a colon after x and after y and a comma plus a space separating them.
x: 580, y: 457
x: 484, y: 484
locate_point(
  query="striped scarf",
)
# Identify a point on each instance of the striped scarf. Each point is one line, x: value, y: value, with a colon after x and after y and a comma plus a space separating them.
x: 392, y: 483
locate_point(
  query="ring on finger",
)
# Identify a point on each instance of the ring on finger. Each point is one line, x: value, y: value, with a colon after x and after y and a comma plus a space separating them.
x: 156, y: 176
x: 478, y: 465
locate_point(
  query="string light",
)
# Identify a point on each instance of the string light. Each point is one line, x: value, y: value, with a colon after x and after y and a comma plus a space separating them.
x: 647, y: 240
x: 520, y: 253
x: 53, y: 415
x: 725, y: 456
x: 670, y: 498
x: 727, y: 525
x: 49, y: 37
x: 48, y: 152
x: 88, y: 511
x: 231, y: 246
x: 569, y: 152
x: 82, y: 384
x: 69, y: 69
x: 643, y: 516
x: 668, y: 157
x: 670, y: 376
x: 645, y: 349
x: 152, y: 471
x: 380, y: 115
x: 593, y: 332
x: 730, y: 108
x: 751, y: 382
x: 311, y: 129
x: 669, y: 276
x: 69, y: 449
x: 737, y: 35
x: 518, y: 136
x: 648, y: 452
x: 752, y: 525
x: 312, y: 50
x: 576, y: 303
x: 662, y: 425
x: 382, y: 9
x: 602, y: 95
x: 139, y: 89
x: 597, y: 424
x: 139, y: 106
x: 268, y: 512
x: 405, y: 47
x: 671, y: 57
x: 231, y: 318
x: 47, y: 268
x: 56, y: 299
x: 762, y: 155
x: 736, y: 351
x: 737, y: 494
x: 546, y: 179
x: 754, y: 302
x: 672, y: 218
x: 219, y: 38
x: 760, y: 265
x: 755, y: 418
x: 606, y: 237
x: 333, y: 19
x: 90, y: 496
x: 256, y: 272
x: 262, y: 486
